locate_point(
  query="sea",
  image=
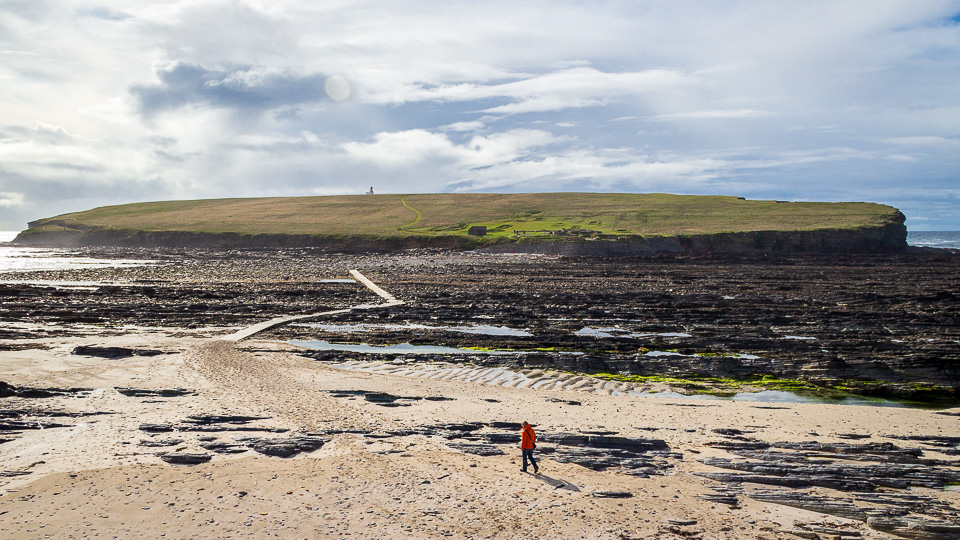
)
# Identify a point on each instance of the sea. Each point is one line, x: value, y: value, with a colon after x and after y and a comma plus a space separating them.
x: 934, y: 239
x: 21, y: 259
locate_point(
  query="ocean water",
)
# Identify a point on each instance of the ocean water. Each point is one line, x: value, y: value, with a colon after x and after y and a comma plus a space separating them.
x: 934, y: 239
x: 19, y: 259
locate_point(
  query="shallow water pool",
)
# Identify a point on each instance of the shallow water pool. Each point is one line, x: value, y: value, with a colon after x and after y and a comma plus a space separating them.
x: 403, y: 348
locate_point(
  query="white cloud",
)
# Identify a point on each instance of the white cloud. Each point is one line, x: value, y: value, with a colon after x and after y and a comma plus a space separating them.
x: 553, y: 91
x: 415, y: 146
x: 403, y: 148
x: 8, y: 199
x: 464, y: 126
x: 584, y: 170
x: 716, y: 114
x: 544, y: 104
x: 925, y: 141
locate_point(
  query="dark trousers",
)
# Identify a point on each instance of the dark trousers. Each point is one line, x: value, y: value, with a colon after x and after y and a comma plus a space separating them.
x: 528, y: 453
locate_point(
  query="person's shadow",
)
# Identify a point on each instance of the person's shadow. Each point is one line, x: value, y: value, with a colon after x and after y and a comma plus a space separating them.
x: 556, y: 482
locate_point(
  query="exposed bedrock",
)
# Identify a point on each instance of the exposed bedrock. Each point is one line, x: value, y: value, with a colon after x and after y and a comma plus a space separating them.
x: 878, y: 489
x: 883, y: 325
x: 9, y: 390
x: 113, y: 353
x: 892, y: 379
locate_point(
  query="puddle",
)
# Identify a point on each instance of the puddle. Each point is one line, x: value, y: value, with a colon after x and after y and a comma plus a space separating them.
x: 621, y: 333
x: 483, y: 329
x: 362, y: 327
x: 403, y: 348
x: 490, y: 330
x: 596, y: 332
x: 782, y: 396
x: 673, y: 395
x: 774, y: 396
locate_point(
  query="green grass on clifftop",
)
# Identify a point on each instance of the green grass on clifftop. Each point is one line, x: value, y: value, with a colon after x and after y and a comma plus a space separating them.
x: 392, y: 216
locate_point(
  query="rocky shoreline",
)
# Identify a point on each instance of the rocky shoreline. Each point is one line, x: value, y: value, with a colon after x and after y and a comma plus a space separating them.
x: 885, y: 326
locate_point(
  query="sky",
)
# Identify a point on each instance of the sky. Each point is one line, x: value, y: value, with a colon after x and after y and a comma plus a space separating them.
x: 112, y: 102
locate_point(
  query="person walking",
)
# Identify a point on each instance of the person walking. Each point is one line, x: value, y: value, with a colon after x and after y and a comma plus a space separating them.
x: 528, y: 441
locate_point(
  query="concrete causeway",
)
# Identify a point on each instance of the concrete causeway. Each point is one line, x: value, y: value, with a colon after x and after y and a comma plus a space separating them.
x: 279, y: 321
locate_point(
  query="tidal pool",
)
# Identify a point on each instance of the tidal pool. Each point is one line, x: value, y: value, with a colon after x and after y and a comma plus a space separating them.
x: 483, y: 329
x: 403, y: 348
x: 621, y: 333
x: 774, y: 396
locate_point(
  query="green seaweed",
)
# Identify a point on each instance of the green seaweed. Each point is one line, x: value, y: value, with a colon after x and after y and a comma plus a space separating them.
x: 925, y: 394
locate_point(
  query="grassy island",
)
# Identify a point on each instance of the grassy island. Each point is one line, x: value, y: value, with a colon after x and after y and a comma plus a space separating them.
x: 473, y: 219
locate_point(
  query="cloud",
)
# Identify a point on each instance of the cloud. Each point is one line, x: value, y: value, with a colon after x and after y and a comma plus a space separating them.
x: 544, y: 104
x: 716, y: 114
x: 8, y: 199
x: 403, y: 149
x: 246, y: 88
x: 576, y: 87
x: 475, y: 125
x: 36, y: 158
x: 925, y: 141
x: 100, y: 12
x: 585, y: 170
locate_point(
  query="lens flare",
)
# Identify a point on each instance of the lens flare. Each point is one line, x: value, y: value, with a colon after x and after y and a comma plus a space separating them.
x: 337, y: 88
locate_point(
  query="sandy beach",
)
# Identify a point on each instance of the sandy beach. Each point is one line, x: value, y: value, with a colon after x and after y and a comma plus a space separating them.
x: 392, y: 471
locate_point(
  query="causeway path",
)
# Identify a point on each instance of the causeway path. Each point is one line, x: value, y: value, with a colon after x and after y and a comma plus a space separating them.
x: 390, y: 301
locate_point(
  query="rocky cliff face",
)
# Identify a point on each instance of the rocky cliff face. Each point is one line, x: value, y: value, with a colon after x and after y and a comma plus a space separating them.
x: 72, y: 235
x: 891, y: 237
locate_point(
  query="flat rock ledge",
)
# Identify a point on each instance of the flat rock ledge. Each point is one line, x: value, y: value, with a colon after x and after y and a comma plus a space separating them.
x: 872, y: 488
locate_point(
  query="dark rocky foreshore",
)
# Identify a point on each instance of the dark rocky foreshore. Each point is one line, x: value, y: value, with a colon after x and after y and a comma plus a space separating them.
x: 874, y: 325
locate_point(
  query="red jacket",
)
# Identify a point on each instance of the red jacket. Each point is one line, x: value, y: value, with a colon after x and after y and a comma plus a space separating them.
x: 527, y: 438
